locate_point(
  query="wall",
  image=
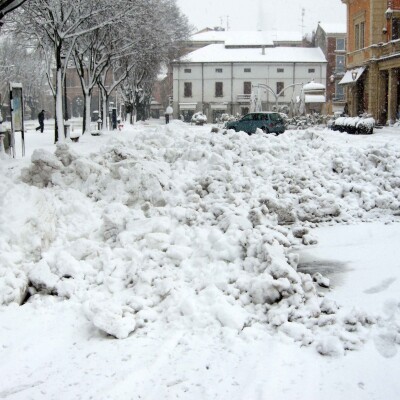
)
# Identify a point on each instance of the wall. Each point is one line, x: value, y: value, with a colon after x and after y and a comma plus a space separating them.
x: 233, y: 78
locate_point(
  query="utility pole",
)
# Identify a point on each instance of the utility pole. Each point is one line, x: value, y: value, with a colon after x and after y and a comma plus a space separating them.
x: 260, y: 15
x: 303, y: 13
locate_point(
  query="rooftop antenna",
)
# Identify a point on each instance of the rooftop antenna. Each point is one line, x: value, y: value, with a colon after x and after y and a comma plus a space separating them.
x: 303, y: 13
x: 260, y: 15
x: 227, y: 21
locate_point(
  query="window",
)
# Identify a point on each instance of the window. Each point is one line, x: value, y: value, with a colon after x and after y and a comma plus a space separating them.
x: 218, y: 70
x: 359, y: 35
x: 279, y: 87
x: 280, y: 70
x: 247, y: 70
x: 339, y: 91
x: 246, y: 87
x: 340, y: 44
x: 187, y: 70
x: 362, y: 35
x: 340, y: 61
x: 219, y: 89
x: 395, y: 28
x: 311, y: 70
x: 187, y: 89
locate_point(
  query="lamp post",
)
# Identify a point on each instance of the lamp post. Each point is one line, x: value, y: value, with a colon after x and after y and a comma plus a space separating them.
x: 276, y: 95
x: 78, y: 105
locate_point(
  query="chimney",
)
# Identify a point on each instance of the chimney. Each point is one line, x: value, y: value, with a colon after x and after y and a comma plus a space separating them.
x: 263, y: 50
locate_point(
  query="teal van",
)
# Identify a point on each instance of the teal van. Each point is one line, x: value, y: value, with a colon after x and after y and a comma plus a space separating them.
x: 268, y: 122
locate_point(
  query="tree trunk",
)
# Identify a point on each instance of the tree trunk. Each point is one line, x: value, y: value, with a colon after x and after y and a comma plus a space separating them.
x: 59, y: 106
x: 87, y: 100
x: 105, y: 108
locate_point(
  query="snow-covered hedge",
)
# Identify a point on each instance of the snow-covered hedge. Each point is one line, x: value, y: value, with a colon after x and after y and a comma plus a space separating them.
x: 355, y: 125
x: 199, y: 118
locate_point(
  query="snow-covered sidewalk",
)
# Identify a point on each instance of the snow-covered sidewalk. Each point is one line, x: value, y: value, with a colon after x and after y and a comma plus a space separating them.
x: 195, y: 249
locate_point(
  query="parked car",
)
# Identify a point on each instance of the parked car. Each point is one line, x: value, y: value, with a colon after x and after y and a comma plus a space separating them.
x: 266, y: 121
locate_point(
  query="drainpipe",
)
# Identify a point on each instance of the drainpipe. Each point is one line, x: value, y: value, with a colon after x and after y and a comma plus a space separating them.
x: 294, y: 73
x: 202, y: 88
x: 231, y: 88
x: 179, y: 89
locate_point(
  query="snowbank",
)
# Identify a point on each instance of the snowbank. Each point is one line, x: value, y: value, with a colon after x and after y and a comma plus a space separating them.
x: 195, y: 231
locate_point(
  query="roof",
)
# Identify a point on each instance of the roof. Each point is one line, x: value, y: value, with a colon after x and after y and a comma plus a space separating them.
x: 313, y: 86
x: 333, y: 28
x: 219, y: 53
x: 247, y: 38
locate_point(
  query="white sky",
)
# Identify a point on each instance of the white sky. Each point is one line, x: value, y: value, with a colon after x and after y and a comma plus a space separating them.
x: 278, y: 14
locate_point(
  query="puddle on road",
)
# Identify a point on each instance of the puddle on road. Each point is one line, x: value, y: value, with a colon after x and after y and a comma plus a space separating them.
x: 332, y: 269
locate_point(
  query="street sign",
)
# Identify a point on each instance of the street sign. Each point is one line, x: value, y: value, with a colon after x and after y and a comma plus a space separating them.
x: 17, y: 115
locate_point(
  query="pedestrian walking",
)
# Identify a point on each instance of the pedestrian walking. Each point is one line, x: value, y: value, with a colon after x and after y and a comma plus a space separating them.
x: 168, y: 113
x: 41, y: 121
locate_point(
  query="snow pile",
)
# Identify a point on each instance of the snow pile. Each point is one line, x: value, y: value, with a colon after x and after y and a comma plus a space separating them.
x: 196, y: 231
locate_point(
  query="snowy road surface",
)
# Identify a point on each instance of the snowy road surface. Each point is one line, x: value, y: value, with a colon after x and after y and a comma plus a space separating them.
x: 195, y: 248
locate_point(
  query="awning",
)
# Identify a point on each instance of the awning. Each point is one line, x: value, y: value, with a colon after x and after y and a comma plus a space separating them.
x: 348, y: 76
x: 187, y: 106
x: 219, y: 106
x: 314, y: 98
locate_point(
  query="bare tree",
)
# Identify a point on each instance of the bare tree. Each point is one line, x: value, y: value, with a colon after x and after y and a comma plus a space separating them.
x: 6, y: 6
x: 55, y: 25
x: 160, y: 41
x: 22, y: 64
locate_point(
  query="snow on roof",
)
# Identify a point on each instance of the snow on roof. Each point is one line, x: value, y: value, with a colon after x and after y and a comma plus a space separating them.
x: 313, y: 86
x: 219, y: 53
x: 247, y: 38
x: 333, y: 28
x: 314, y: 98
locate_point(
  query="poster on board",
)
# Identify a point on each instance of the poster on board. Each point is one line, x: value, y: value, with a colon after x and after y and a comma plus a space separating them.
x: 17, y: 114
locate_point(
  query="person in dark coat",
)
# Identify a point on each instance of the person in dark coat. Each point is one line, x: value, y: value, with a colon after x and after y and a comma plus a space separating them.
x: 41, y: 121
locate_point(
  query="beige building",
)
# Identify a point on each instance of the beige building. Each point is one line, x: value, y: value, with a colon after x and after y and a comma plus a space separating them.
x: 373, y: 58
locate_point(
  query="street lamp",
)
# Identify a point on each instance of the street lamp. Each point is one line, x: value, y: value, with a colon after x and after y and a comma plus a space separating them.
x: 78, y: 104
x: 389, y: 13
x: 354, y: 74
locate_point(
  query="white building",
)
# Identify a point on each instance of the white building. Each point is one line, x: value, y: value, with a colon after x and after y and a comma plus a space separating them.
x: 219, y: 78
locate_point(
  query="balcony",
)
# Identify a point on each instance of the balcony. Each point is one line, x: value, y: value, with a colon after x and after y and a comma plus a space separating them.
x: 243, y: 98
x: 377, y: 52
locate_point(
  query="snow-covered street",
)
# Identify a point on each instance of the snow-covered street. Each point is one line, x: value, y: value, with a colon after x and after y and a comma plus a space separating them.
x: 167, y: 262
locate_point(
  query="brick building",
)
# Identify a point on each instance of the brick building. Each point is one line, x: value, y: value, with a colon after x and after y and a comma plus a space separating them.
x: 331, y: 39
x: 373, y: 58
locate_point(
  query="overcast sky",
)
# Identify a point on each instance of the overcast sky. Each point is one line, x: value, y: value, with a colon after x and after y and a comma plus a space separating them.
x: 277, y: 14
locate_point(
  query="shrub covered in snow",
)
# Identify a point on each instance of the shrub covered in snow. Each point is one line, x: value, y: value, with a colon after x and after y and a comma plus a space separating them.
x: 355, y: 125
x: 199, y: 118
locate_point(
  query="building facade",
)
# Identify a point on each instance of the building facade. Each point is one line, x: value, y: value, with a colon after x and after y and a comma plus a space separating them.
x: 331, y: 39
x: 373, y: 58
x: 219, y: 79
